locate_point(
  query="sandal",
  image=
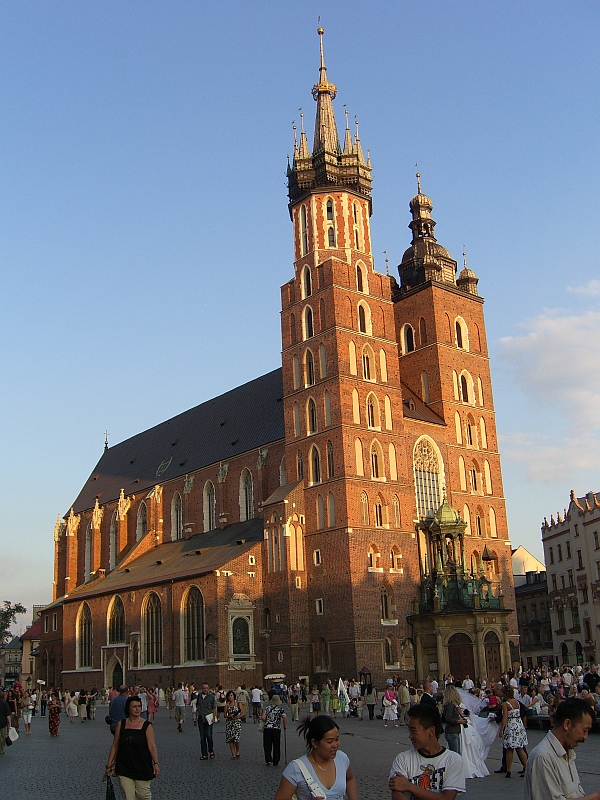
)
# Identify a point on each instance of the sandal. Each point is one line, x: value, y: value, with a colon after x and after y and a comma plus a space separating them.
x: 212, y: 755
x: 203, y: 758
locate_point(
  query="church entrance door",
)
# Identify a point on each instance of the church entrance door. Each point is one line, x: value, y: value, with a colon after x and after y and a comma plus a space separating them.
x: 492, y: 655
x: 460, y: 656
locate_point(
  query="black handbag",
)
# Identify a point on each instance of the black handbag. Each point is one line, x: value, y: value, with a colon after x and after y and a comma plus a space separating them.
x: 108, y: 719
x: 110, y: 789
x: 9, y: 741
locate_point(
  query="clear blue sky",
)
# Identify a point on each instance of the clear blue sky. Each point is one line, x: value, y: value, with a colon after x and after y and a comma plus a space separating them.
x: 145, y: 234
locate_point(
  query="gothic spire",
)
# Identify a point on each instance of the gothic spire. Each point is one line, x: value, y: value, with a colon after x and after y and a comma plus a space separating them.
x: 326, y: 134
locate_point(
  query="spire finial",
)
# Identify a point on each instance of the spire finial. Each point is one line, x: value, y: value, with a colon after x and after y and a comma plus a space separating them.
x: 346, y: 113
x: 418, y: 176
x: 294, y: 129
x: 320, y: 31
x: 106, y: 435
x: 464, y: 256
x: 301, y: 120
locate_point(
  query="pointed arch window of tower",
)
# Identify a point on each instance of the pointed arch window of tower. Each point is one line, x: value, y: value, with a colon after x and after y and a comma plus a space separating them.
x: 464, y: 389
x: 396, y: 510
x: 303, y: 231
x: 311, y: 416
x: 330, y: 210
x: 378, y: 514
x: 299, y: 466
x: 142, y: 523
x: 315, y: 465
x: 327, y: 408
x: 176, y: 518
x: 459, y: 339
x: 306, y: 283
x: 210, y: 507
x: 359, y: 278
x: 309, y: 330
x: 330, y: 465
x: 310, y: 368
x: 376, y: 461
x: 330, y: 236
x: 362, y: 319
x: 409, y: 339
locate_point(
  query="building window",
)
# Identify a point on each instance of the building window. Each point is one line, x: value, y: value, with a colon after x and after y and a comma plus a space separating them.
x: 113, y: 541
x: 193, y: 626
x: 317, y: 558
x: 364, y: 510
x: 562, y: 581
x: 368, y: 364
x: 559, y: 548
x: 568, y: 549
x: 319, y: 605
x: 575, y: 616
x: 309, y: 368
x: 551, y: 552
x: 579, y: 560
x: 376, y: 461
x: 315, y: 466
x: 330, y: 237
x: 142, y: 522
x: 311, y: 416
x: 308, y: 323
x: 378, y: 515
x: 554, y: 586
x: 300, y: 468
x: 320, y: 513
x: 362, y: 322
x: 152, y: 630
x: 409, y: 339
x: 54, y: 622
x: 373, y: 420
x: 561, y: 619
x: 306, y: 283
x: 330, y: 466
x: 240, y: 634
x: 84, y: 636
x: 427, y: 478
x: 596, y: 545
x: 576, y: 530
x: 330, y: 210
x: 385, y: 604
x: 176, y: 518
x: 359, y: 278
x: 584, y: 595
x: 570, y: 573
x: 464, y: 389
x: 210, y: 507
x: 116, y: 623
x: 303, y: 231
x: 246, y: 496
x: 327, y: 408
x: 47, y: 622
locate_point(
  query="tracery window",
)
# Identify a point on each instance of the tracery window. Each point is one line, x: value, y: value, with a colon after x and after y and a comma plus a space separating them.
x: 142, y: 522
x: 84, y: 637
x: 210, y: 515
x: 330, y: 465
x: 246, y: 496
x: 176, y: 518
x: 310, y: 368
x: 311, y: 416
x: 427, y: 478
x: 116, y: 622
x: 152, y: 630
x: 193, y: 626
x: 364, y: 509
x: 315, y: 465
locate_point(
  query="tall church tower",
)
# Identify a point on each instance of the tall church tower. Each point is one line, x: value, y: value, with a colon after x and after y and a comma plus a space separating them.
x: 372, y: 376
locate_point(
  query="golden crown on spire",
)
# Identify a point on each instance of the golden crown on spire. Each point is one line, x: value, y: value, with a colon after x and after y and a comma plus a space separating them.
x: 323, y: 86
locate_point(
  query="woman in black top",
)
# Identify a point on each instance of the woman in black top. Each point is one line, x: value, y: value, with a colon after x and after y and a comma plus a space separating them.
x: 133, y: 754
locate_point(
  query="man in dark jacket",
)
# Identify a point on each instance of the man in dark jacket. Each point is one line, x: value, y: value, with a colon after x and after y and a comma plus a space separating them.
x: 5, y: 720
x: 116, y: 708
x: 427, y: 697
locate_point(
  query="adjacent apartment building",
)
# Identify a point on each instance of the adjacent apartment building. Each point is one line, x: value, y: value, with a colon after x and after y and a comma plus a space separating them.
x: 572, y: 555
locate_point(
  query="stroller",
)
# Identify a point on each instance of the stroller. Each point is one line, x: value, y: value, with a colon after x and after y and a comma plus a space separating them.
x: 353, y: 707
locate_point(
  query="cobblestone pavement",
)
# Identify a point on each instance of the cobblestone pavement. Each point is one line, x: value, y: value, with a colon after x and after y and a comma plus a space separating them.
x: 38, y: 767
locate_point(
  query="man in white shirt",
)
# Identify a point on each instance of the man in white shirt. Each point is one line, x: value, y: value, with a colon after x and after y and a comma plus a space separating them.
x: 567, y: 678
x: 256, y: 694
x: 179, y: 699
x: 428, y: 770
x: 551, y: 773
x: 523, y: 697
x: 434, y: 685
x: 468, y: 684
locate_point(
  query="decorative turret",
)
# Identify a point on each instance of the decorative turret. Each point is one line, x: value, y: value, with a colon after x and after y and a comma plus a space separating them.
x: 425, y: 260
x: 329, y: 165
x: 467, y: 280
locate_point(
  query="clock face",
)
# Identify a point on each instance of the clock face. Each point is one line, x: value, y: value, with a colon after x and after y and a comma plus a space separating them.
x: 163, y: 466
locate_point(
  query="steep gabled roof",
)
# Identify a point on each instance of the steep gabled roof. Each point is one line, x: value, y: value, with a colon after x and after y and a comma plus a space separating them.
x: 247, y: 417
x: 414, y: 408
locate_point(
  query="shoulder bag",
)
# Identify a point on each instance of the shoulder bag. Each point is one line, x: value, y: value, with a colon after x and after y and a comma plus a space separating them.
x: 315, y: 789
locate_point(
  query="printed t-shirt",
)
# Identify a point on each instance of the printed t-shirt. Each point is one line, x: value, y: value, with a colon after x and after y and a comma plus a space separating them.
x: 436, y: 773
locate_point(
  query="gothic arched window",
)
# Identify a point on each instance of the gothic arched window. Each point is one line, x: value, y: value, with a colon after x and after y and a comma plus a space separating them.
x: 84, y: 637
x: 142, y: 522
x: 306, y: 283
x: 152, y: 630
x: 210, y: 515
x: 309, y: 329
x: 331, y: 237
x: 362, y: 320
x: 310, y: 368
x: 364, y: 509
x: 427, y: 478
x: 193, y: 625
x: 311, y: 416
x: 409, y: 339
x: 315, y: 466
x: 116, y: 622
x: 330, y: 209
x: 176, y: 517
x: 113, y: 541
x: 330, y: 465
x: 246, y: 496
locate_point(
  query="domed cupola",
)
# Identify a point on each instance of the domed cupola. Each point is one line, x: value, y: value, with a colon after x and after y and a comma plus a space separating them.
x: 467, y: 280
x: 425, y: 260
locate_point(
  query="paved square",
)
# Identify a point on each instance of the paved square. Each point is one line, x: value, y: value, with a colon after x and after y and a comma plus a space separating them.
x: 38, y: 767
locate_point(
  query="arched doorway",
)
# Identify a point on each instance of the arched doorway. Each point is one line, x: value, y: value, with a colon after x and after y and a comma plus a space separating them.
x: 460, y: 656
x: 564, y: 651
x: 579, y: 653
x: 117, y: 676
x: 491, y: 644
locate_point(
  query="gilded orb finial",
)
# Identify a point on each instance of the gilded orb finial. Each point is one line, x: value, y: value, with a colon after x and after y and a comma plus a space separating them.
x: 418, y: 176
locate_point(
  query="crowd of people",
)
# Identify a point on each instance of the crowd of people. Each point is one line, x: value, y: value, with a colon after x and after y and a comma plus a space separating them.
x: 470, y: 713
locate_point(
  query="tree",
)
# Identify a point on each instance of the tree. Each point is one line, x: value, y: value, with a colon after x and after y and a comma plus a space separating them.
x: 8, y: 615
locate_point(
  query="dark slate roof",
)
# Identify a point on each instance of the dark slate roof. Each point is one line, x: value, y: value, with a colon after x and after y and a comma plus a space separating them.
x: 245, y: 418
x: 185, y: 558
x: 417, y: 409
x: 281, y: 493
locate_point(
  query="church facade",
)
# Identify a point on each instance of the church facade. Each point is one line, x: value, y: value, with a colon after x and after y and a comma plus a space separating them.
x: 344, y: 512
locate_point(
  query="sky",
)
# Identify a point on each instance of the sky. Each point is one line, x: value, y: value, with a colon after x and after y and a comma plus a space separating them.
x: 144, y: 231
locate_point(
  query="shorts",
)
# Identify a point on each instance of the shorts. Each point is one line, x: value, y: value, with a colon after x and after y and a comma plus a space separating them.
x: 26, y: 716
x: 180, y: 713
x: 316, y: 706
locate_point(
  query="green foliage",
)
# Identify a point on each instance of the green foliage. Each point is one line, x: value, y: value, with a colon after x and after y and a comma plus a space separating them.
x: 8, y: 615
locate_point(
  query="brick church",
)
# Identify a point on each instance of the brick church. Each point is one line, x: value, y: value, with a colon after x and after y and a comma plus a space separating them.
x: 341, y: 514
